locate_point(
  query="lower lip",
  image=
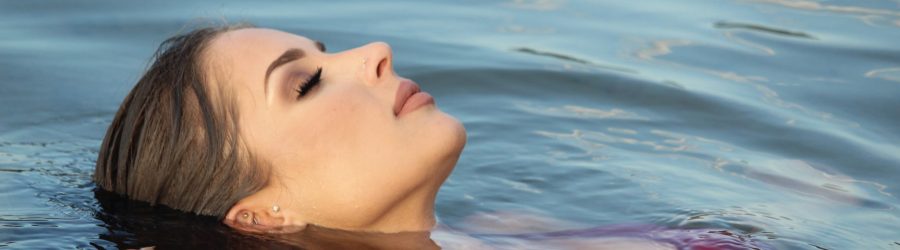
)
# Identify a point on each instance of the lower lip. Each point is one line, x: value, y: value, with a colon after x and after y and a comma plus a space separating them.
x: 415, y: 102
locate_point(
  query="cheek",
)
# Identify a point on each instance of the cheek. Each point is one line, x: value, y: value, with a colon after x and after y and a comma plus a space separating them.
x: 348, y: 119
x: 341, y: 126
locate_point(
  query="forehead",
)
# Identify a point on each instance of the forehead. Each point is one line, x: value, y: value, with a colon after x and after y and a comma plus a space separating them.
x: 251, y: 45
x: 258, y: 38
x: 240, y: 57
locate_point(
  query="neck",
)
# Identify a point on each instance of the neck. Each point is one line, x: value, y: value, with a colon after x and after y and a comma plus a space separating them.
x: 416, y: 213
x: 326, y: 238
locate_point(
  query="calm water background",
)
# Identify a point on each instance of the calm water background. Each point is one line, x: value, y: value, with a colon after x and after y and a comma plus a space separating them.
x: 772, y: 119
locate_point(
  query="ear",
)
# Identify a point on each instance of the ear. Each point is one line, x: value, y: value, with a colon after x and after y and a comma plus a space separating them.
x: 250, y: 216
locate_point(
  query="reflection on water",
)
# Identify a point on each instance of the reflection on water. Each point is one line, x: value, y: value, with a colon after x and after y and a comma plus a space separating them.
x: 581, y: 112
x: 798, y: 176
x: 890, y: 74
x: 543, y: 5
x: 768, y: 123
x: 843, y: 9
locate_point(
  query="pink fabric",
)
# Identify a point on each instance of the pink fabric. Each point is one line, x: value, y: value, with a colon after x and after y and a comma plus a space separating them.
x: 688, y: 239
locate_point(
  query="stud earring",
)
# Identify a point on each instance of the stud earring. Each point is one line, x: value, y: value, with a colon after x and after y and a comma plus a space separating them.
x: 275, y: 208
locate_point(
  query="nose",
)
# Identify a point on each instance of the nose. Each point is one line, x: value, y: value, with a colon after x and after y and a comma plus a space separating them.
x: 377, y: 62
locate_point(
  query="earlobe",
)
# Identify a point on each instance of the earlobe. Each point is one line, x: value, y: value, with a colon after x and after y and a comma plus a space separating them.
x: 242, y: 218
x: 247, y: 217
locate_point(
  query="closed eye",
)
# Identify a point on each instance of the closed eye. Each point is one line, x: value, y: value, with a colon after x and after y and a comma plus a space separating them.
x: 309, y: 83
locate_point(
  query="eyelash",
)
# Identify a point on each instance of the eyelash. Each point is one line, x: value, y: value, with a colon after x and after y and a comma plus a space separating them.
x: 309, y: 83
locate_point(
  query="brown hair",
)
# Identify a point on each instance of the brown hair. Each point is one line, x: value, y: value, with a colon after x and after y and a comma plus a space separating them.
x: 170, y: 144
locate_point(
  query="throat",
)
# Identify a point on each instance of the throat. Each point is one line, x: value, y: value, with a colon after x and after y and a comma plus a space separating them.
x: 414, y: 214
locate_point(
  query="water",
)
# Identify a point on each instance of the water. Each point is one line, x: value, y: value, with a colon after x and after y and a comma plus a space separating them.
x: 772, y: 120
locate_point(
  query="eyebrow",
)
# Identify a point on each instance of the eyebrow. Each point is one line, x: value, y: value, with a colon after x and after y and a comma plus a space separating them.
x: 320, y: 46
x: 289, y: 55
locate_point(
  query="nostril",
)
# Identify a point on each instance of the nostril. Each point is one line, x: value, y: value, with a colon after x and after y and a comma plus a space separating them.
x: 382, y: 66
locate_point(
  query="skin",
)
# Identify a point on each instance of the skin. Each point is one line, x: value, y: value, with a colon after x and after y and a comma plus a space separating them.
x: 341, y: 159
x: 340, y: 156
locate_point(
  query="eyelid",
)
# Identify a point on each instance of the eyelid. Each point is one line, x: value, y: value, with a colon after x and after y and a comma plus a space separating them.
x: 308, y: 83
x: 292, y: 82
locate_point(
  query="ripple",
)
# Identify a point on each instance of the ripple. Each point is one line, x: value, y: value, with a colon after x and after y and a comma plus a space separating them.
x: 570, y: 58
x: 762, y: 28
x: 658, y: 50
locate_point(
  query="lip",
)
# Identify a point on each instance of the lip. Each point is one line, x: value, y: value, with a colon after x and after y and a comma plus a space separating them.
x: 410, y: 97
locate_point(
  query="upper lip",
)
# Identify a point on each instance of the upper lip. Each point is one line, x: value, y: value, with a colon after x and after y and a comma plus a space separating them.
x: 406, y: 89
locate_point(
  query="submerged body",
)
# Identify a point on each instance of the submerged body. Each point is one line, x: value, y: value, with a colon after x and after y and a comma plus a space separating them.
x: 635, y: 237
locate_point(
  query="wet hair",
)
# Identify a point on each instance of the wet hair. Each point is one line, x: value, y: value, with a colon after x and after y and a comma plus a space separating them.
x: 174, y: 140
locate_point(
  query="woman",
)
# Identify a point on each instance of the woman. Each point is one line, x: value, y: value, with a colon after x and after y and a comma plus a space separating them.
x: 267, y: 131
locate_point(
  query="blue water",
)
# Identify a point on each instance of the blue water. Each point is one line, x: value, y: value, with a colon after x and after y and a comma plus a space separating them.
x: 772, y: 120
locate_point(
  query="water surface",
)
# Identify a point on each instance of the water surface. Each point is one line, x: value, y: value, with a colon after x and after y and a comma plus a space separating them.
x: 771, y: 120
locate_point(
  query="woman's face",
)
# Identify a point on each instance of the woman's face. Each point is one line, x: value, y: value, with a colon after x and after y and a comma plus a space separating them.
x: 354, y: 151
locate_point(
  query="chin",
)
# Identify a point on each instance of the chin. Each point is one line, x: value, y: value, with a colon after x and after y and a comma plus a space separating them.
x: 455, y: 133
x: 450, y: 143
x: 443, y: 139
